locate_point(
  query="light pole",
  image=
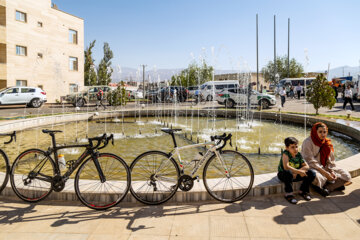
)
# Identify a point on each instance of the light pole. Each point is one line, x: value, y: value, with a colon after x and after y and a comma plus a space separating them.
x: 143, y: 80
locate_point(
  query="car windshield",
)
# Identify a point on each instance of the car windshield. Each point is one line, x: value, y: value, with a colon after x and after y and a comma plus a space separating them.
x: 3, y: 90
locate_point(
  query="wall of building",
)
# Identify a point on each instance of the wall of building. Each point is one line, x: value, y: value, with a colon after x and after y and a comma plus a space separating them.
x: 51, y: 72
x: 240, y: 76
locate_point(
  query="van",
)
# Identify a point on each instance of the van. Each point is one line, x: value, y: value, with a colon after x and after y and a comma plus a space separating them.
x: 211, y: 88
x: 293, y: 82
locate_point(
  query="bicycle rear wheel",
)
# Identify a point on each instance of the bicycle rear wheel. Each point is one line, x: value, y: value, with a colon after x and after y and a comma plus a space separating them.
x: 31, y: 175
x: 4, y: 170
x: 102, y: 195
x: 232, y: 188
x: 155, y: 177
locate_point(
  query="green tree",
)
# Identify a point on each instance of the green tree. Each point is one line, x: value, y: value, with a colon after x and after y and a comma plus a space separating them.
x: 118, y: 96
x: 193, y: 75
x: 104, y: 69
x: 320, y: 93
x: 296, y: 69
x: 89, y: 69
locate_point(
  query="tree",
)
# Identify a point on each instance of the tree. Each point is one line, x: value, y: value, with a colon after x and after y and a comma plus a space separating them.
x: 296, y: 69
x: 193, y: 75
x: 89, y: 66
x: 104, y: 69
x: 118, y: 96
x: 320, y: 93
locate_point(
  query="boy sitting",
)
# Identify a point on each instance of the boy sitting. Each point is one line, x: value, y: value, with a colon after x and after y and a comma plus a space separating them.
x: 293, y: 168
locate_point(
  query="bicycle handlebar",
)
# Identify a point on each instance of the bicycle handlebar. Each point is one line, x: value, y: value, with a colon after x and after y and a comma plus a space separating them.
x: 222, y: 138
x: 12, y: 135
x: 103, y: 139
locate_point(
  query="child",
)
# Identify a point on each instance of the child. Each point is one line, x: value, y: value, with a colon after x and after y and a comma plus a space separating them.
x: 293, y: 168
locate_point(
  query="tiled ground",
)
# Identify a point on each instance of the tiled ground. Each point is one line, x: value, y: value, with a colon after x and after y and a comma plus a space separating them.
x: 271, y: 217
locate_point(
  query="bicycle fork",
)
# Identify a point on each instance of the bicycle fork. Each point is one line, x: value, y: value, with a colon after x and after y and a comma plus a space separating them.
x: 221, y: 160
x: 98, y: 167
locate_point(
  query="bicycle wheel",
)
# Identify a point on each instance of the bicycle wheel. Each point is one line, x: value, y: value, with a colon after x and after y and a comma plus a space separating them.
x: 102, y: 195
x: 31, y: 175
x: 155, y: 177
x: 203, y: 101
x: 232, y: 188
x: 4, y: 170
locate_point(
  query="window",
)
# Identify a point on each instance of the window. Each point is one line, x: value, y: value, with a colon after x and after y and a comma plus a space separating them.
x: 74, y: 88
x: 72, y: 36
x: 21, y: 51
x: 40, y: 24
x: 73, y: 63
x: 21, y: 83
x: 40, y: 55
x: 20, y: 16
x: 27, y: 90
x: 12, y: 91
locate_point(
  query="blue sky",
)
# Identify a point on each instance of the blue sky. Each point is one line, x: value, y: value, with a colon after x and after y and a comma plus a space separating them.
x: 171, y: 33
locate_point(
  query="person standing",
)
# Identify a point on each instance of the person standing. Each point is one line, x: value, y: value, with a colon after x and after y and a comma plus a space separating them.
x: 348, y: 98
x: 336, y: 92
x: 100, y: 98
x: 298, y: 90
x: 283, y: 96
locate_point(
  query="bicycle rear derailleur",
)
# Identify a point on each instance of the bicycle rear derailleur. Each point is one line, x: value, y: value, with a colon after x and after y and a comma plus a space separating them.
x: 186, y: 182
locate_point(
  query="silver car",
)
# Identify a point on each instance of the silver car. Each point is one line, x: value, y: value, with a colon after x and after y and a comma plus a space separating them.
x: 31, y: 96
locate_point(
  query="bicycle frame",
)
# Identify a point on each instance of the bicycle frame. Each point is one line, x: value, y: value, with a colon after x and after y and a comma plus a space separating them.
x: 88, y: 152
x: 213, y: 149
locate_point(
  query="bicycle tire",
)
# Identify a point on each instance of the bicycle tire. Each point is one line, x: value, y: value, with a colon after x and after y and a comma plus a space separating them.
x: 166, y: 190
x: 118, y: 180
x: 31, y: 192
x: 4, y: 170
x: 224, y: 194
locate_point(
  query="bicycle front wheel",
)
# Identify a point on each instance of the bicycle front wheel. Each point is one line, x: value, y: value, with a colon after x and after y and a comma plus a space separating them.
x: 101, y: 195
x: 155, y: 177
x: 229, y: 187
x: 4, y: 170
x: 31, y: 175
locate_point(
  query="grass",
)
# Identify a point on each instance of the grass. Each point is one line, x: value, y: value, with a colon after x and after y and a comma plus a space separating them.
x: 326, y: 116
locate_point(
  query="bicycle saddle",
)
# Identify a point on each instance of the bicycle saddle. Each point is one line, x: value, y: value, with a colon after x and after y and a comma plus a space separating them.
x: 170, y: 130
x: 50, y: 131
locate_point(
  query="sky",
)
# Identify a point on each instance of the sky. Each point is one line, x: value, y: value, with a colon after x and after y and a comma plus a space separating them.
x: 168, y: 34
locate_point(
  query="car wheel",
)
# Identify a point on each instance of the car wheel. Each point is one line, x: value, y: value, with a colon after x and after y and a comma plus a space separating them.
x: 209, y: 98
x: 80, y: 102
x: 264, y: 104
x: 229, y: 103
x: 36, y: 103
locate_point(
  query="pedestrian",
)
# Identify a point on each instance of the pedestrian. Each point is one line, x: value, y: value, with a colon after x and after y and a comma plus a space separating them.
x: 287, y: 89
x: 282, y: 96
x: 100, y: 98
x: 336, y: 92
x: 298, y: 90
x: 249, y: 92
x: 348, y: 98
x: 293, y: 168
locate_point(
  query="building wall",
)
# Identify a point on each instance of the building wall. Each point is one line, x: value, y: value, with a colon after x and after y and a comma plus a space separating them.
x: 51, y: 72
x: 236, y: 76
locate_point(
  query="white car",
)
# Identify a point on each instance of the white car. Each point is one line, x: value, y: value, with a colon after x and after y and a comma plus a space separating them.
x: 31, y: 96
x: 238, y: 96
x: 136, y: 94
x: 211, y: 88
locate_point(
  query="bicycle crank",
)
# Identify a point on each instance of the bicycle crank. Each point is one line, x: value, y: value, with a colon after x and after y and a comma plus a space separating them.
x: 186, y: 183
x: 58, y: 184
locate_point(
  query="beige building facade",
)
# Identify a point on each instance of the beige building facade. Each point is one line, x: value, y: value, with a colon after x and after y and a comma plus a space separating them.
x: 41, y: 46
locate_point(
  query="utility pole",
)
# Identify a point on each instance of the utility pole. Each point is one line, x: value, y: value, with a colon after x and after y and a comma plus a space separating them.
x: 288, y: 66
x: 275, y: 46
x: 257, y: 54
x: 143, y: 80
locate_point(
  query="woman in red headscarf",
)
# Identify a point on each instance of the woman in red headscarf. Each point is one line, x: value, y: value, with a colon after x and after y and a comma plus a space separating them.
x: 318, y: 152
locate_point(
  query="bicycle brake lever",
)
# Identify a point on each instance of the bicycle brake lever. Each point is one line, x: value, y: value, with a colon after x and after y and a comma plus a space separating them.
x: 230, y: 142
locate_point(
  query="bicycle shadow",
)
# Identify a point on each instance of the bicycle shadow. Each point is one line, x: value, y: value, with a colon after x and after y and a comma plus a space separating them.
x: 23, y: 213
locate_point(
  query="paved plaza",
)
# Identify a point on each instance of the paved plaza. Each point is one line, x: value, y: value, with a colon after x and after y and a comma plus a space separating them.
x: 270, y: 217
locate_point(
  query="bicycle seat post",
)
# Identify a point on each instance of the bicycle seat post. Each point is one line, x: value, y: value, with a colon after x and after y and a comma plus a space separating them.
x: 174, y: 140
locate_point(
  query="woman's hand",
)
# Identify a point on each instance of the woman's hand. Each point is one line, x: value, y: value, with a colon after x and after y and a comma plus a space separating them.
x: 329, y: 176
x: 302, y: 173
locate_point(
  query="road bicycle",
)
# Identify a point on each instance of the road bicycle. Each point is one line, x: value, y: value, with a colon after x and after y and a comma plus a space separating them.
x: 4, y: 161
x: 101, y: 182
x: 227, y: 175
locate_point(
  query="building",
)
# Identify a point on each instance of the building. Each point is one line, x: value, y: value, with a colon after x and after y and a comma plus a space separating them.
x: 243, y: 77
x: 41, y: 46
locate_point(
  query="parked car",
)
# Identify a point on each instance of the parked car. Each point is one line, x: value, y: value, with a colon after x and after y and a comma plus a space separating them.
x: 136, y: 94
x: 237, y: 96
x: 167, y: 93
x: 31, y: 96
x: 87, y: 96
x: 211, y: 88
x: 151, y: 95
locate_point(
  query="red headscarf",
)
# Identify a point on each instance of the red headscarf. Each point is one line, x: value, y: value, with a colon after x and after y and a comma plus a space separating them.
x: 325, y: 145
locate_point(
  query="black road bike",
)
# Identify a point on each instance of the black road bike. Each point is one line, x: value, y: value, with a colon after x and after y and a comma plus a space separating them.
x: 227, y: 175
x: 101, y: 182
x: 4, y: 162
